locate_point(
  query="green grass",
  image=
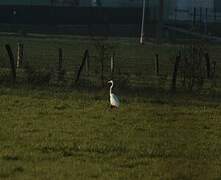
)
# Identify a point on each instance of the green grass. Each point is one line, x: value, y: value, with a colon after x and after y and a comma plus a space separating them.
x: 54, y: 134
x: 67, y: 132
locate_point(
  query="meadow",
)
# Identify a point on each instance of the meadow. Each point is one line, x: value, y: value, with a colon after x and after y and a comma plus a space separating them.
x: 53, y: 132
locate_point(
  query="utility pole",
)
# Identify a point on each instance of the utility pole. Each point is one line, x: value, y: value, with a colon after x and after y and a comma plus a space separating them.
x: 142, y: 23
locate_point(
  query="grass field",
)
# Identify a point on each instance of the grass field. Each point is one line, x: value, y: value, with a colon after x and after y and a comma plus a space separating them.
x: 52, y: 132
x: 49, y: 134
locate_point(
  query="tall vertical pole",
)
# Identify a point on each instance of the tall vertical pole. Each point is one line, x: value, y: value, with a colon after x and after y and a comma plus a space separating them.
x: 142, y: 24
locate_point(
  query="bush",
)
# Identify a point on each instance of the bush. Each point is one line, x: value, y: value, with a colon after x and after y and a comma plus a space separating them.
x: 193, y: 71
x: 36, y: 76
x: 193, y: 66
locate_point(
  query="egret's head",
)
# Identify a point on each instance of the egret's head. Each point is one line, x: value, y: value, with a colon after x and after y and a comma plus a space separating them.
x: 110, y: 82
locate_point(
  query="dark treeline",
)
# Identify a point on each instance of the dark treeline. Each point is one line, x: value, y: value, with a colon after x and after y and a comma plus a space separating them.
x: 20, y: 14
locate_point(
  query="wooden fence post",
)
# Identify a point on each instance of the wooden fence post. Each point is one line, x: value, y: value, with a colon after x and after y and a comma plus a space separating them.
x: 214, y: 68
x: 60, y: 59
x: 207, y: 64
x: 87, y: 64
x: 112, y: 65
x: 20, y: 53
x: 60, y: 63
x: 175, y: 71
x: 157, y: 64
x: 86, y: 53
x: 12, y: 62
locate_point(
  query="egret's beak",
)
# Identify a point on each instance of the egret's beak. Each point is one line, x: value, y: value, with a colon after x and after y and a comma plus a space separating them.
x: 108, y: 82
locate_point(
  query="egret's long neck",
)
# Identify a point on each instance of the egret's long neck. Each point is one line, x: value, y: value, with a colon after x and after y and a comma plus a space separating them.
x: 111, y: 87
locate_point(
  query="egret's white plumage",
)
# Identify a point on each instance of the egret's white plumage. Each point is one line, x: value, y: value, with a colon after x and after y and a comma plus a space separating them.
x: 114, y: 101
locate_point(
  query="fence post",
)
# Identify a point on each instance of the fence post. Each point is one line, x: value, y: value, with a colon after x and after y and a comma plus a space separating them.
x: 60, y: 59
x: 87, y: 64
x: 112, y: 65
x: 214, y: 68
x: 12, y: 62
x: 102, y: 65
x: 175, y: 71
x: 157, y: 64
x: 207, y: 58
x: 20, y: 53
x: 86, y: 53
x: 60, y: 63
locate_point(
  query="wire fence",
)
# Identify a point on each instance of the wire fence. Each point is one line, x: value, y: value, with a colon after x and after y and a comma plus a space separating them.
x: 48, y: 66
x: 197, y: 14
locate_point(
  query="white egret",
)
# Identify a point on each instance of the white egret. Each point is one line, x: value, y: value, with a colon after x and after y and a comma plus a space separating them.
x: 114, y: 101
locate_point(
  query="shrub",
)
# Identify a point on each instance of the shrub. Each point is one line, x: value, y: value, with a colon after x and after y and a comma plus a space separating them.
x: 37, y: 76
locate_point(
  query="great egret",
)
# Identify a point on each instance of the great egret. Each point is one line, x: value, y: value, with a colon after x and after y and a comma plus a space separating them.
x: 114, y: 101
